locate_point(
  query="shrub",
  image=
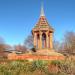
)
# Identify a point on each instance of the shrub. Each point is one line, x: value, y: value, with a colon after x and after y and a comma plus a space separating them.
x: 39, y: 67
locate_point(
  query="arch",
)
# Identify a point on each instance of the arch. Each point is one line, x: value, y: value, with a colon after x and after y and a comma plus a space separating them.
x: 43, y: 40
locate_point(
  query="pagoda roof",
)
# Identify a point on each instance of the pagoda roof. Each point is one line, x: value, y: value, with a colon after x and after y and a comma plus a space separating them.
x: 42, y: 24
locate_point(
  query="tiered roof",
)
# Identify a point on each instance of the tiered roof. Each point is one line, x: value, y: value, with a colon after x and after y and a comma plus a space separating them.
x: 42, y: 23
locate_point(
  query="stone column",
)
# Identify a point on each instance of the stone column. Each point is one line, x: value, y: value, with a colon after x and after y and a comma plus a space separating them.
x: 51, y: 40
x: 35, y: 40
x: 47, y: 40
x: 40, y: 41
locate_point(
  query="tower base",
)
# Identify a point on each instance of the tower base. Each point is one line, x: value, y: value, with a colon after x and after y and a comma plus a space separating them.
x: 39, y: 55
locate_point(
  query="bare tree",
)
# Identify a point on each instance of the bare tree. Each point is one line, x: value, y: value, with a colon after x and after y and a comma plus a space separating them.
x: 2, y: 48
x: 29, y: 42
x: 20, y: 48
x: 2, y: 45
x: 68, y: 44
x: 56, y: 45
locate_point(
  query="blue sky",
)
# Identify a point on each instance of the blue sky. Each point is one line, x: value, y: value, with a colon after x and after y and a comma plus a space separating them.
x: 18, y: 17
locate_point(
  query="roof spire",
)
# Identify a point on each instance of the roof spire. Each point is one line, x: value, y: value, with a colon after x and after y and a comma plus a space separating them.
x: 42, y: 10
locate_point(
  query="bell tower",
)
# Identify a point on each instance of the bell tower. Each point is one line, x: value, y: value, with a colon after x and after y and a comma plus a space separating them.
x: 43, y: 33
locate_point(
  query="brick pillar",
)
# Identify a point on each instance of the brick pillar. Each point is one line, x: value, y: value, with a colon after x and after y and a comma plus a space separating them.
x: 47, y: 40
x: 35, y: 40
x: 40, y: 41
x: 51, y: 40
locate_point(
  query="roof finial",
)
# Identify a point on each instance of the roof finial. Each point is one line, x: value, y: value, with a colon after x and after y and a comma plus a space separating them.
x: 42, y: 10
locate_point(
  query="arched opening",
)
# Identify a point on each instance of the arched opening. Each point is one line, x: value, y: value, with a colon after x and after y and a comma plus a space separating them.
x: 43, y: 40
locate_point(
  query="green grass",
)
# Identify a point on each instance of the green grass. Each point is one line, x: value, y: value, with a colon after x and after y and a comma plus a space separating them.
x: 39, y: 67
